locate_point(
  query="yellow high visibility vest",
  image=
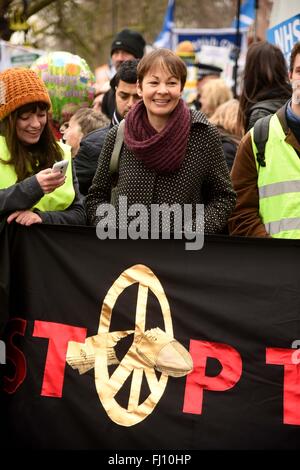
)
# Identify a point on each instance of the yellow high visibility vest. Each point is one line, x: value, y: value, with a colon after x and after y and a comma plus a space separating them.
x: 279, y: 184
x: 60, y: 199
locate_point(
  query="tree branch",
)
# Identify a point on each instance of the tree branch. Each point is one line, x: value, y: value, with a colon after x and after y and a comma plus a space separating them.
x: 37, y: 6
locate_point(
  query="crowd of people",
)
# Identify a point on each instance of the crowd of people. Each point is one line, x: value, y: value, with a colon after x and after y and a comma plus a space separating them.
x: 239, y: 158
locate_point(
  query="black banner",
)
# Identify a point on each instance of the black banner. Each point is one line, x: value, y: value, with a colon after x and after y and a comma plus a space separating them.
x: 108, y: 308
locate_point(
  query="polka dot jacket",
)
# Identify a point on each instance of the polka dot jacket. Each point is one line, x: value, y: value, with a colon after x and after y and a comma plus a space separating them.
x: 203, y: 178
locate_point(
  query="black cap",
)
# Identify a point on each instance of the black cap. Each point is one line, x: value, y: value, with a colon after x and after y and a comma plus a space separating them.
x: 206, y: 69
x: 129, y: 41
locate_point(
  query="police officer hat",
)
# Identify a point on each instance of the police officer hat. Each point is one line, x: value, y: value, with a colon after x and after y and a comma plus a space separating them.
x: 206, y: 69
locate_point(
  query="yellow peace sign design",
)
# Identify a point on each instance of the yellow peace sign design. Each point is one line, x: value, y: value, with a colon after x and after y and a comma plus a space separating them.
x: 108, y: 386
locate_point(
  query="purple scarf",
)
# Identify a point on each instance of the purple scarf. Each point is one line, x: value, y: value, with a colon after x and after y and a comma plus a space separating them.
x: 160, y: 151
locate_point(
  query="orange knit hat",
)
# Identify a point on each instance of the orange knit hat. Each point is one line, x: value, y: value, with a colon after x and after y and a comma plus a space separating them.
x: 19, y: 86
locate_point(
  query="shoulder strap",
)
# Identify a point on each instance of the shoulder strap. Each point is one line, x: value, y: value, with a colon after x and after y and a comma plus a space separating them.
x: 115, y: 156
x: 261, y: 135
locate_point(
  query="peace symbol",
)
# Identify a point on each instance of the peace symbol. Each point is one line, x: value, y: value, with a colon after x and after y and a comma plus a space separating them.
x: 108, y: 386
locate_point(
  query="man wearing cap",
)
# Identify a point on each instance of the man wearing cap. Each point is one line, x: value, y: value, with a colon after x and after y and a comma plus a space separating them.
x: 127, y: 45
x: 206, y: 72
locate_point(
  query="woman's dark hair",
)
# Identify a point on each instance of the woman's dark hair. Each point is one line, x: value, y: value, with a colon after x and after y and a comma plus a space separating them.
x: 265, y: 72
x: 29, y: 159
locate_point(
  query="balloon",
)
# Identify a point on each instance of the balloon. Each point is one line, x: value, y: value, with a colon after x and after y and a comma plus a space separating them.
x: 69, y: 82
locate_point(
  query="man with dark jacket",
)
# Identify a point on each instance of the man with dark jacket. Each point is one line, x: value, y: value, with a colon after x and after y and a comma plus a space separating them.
x: 127, y: 45
x: 86, y: 159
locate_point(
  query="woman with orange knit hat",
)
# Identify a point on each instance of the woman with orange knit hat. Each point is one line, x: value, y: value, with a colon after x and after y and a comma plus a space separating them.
x: 30, y: 192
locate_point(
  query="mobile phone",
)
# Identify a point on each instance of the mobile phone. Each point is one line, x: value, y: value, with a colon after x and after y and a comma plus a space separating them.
x: 61, y: 167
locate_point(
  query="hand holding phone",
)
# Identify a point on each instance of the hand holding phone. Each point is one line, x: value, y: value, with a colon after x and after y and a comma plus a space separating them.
x: 50, y: 179
x: 61, y: 167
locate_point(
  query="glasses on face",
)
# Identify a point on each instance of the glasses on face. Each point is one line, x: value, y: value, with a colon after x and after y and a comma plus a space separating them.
x: 64, y: 127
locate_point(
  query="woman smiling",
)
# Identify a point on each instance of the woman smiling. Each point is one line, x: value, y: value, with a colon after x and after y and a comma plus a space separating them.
x: 171, y: 155
x: 30, y: 192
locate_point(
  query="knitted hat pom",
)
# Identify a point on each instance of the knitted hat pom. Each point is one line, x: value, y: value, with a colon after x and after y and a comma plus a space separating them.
x: 20, y: 86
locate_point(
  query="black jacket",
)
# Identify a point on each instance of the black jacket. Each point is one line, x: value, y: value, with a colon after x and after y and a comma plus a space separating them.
x: 229, y: 148
x: 263, y: 108
x: 267, y: 102
x: 86, y: 160
x: 109, y: 99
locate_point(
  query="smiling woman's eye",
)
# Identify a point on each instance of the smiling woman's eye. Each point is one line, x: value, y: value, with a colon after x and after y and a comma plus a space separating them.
x: 24, y: 116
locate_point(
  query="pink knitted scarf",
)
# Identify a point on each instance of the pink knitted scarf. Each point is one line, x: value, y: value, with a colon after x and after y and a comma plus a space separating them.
x: 160, y: 151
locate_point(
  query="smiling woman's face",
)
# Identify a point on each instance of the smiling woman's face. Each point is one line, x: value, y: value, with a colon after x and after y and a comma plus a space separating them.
x: 30, y: 125
x: 161, y: 92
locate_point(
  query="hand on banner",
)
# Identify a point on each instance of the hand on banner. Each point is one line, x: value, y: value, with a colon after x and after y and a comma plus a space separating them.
x: 24, y: 218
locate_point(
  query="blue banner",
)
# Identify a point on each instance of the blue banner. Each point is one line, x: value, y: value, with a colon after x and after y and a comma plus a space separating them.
x: 285, y: 34
x: 222, y: 37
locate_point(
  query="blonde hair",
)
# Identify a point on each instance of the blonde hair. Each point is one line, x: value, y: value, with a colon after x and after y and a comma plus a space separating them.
x: 215, y: 92
x: 226, y: 116
x: 89, y: 119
